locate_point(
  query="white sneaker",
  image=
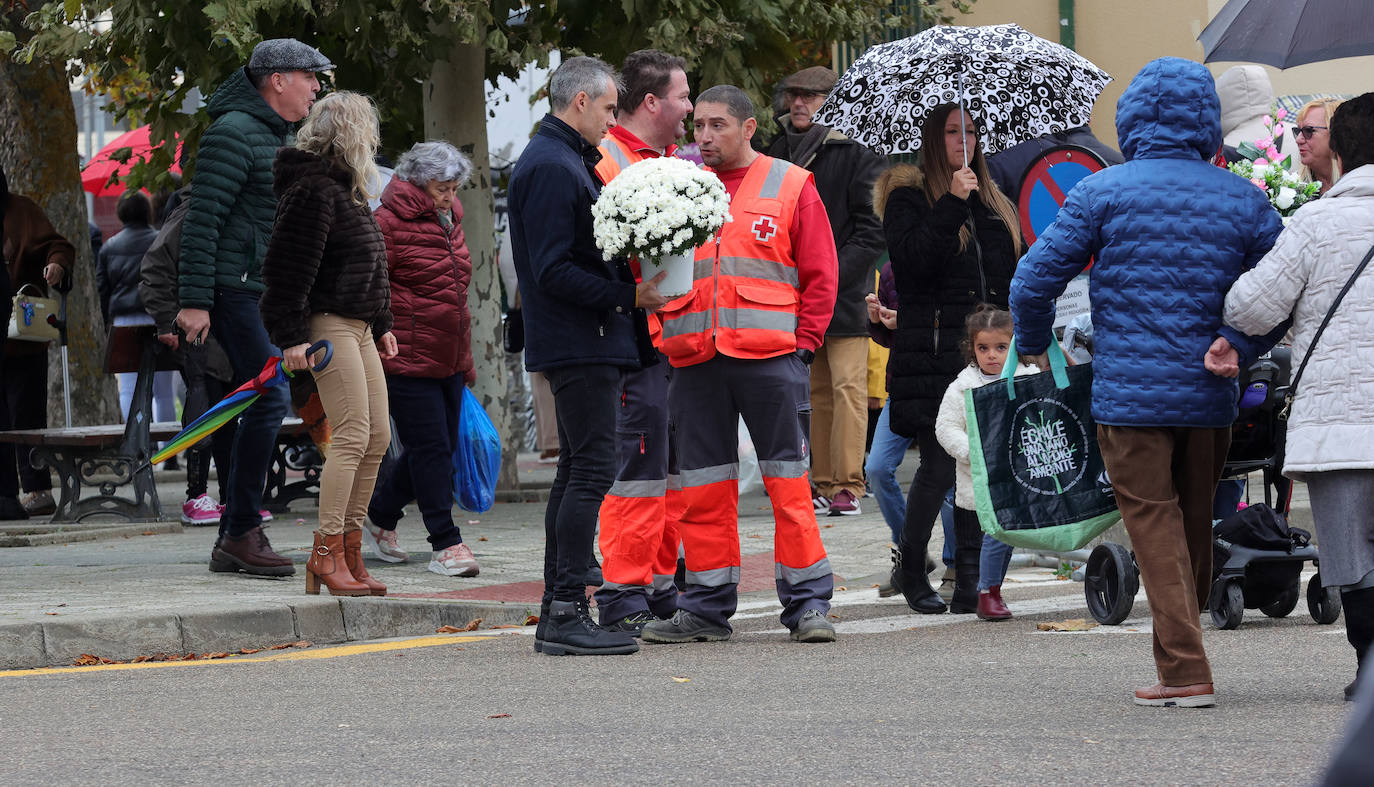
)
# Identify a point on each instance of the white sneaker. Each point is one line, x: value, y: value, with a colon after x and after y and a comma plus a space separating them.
x: 455, y: 561
x: 383, y: 543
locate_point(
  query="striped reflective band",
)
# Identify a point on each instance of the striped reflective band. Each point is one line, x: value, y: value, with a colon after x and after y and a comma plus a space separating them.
x: 691, y: 322
x: 613, y: 150
x: 674, y: 482
x: 620, y: 586
x: 710, y: 475
x: 714, y: 577
x: 754, y: 268
x: 772, y: 184
x: 796, y: 576
x: 662, y: 582
x: 777, y: 468
x: 758, y: 319
x: 650, y: 488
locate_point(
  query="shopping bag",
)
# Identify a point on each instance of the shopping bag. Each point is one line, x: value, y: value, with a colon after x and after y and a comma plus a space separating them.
x: 29, y: 320
x: 477, y: 458
x: 1038, y: 477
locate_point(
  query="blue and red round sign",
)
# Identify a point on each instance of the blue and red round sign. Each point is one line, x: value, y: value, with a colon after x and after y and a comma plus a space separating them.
x: 1047, y: 183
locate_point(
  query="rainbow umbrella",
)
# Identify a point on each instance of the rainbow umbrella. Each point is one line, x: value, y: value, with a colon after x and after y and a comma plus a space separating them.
x: 273, y: 374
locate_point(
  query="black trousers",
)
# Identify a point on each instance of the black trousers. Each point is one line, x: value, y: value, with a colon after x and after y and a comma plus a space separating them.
x: 25, y: 407
x: 585, y: 402
x: 934, y: 477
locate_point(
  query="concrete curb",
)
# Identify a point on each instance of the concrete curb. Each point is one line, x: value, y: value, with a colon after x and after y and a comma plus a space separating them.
x: 231, y: 628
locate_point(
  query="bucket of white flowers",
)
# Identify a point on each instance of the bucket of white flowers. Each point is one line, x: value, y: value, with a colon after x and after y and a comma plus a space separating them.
x: 660, y: 210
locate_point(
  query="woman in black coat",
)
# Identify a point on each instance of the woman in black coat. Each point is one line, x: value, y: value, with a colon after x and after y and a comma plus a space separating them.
x: 954, y: 242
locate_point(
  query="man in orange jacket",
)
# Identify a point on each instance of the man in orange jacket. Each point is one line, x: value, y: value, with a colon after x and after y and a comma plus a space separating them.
x: 639, y: 540
x: 740, y: 344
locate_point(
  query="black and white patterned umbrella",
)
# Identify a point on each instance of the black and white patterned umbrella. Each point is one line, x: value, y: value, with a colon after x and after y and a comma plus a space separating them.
x: 1017, y: 86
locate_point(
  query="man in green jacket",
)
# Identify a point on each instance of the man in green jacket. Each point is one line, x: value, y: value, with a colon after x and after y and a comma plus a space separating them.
x: 223, y: 240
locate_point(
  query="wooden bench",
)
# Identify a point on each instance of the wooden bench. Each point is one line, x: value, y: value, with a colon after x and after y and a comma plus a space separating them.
x: 114, y: 457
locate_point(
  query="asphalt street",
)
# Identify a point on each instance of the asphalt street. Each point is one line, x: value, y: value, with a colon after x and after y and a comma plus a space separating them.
x: 900, y: 698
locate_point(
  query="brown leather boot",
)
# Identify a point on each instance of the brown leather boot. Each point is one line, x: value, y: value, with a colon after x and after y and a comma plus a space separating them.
x: 327, y: 565
x: 353, y: 556
x: 250, y: 553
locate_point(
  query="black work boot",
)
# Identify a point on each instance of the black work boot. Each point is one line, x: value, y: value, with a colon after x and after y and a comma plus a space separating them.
x: 915, y: 585
x: 541, y: 627
x: 1358, y: 607
x: 572, y: 632
x: 968, y: 547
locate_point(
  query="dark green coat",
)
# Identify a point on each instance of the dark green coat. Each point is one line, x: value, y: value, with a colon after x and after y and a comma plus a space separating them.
x: 225, y: 234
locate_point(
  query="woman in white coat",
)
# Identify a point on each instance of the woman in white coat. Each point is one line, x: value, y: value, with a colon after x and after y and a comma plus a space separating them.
x: 1331, y: 425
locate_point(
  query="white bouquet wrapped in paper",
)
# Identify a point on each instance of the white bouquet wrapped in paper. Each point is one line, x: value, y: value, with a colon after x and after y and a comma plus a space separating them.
x: 660, y: 210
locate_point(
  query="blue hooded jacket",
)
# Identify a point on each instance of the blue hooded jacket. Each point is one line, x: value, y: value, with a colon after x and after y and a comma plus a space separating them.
x: 1170, y: 233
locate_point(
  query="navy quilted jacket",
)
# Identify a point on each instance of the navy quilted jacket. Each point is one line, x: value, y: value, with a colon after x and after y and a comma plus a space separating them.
x: 1170, y: 233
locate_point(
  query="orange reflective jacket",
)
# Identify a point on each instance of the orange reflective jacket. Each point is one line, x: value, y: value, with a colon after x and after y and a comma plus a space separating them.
x: 746, y: 287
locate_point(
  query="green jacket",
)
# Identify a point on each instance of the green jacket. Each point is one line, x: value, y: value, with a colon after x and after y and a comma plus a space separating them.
x: 225, y: 234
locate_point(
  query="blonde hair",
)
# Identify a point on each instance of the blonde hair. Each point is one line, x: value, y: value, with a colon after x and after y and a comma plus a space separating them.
x: 938, y: 174
x: 343, y: 128
x: 1329, y: 105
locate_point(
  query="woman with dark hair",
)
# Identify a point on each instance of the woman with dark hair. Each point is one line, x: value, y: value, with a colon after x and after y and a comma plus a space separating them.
x: 1330, y: 442
x: 954, y: 242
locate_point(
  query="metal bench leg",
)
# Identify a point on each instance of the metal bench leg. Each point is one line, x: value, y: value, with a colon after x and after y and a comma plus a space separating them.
x: 73, y: 465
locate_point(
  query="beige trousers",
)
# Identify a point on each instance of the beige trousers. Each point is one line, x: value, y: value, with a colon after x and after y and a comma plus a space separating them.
x: 353, y: 390
x: 839, y: 415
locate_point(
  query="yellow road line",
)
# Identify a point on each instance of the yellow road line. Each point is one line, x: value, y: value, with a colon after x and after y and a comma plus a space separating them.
x: 290, y: 655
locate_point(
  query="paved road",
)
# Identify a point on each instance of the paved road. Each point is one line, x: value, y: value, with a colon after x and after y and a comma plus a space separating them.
x: 899, y: 698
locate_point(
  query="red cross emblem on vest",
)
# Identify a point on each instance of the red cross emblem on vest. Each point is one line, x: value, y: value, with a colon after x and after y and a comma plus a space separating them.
x: 764, y: 229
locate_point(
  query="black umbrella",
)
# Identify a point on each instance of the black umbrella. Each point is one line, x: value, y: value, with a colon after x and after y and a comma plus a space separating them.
x: 1287, y: 33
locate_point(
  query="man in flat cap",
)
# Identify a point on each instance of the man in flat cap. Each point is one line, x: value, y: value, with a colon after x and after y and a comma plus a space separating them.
x: 844, y: 171
x: 223, y: 239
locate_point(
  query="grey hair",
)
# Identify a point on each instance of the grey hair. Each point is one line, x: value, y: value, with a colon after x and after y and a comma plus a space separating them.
x: 427, y: 161
x: 738, y: 103
x: 580, y: 75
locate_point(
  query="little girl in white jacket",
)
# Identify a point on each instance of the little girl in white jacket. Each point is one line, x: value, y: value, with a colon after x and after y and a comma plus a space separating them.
x: 980, y: 561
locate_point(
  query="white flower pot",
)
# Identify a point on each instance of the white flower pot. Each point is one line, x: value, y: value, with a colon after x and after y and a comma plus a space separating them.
x: 678, y: 282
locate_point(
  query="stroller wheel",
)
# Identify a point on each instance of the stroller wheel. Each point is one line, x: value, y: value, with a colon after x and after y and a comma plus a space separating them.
x: 1110, y: 583
x: 1323, y: 603
x: 1227, y: 604
x: 1285, y: 603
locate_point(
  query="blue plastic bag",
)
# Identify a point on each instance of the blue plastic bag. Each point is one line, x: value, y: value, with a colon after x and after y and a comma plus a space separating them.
x: 477, y: 458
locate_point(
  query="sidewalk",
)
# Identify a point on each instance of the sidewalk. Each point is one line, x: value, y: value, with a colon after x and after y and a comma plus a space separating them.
x: 139, y: 595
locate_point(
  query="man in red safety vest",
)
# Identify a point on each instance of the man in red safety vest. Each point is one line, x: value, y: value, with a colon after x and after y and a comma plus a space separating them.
x: 639, y: 539
x: 740, y: 344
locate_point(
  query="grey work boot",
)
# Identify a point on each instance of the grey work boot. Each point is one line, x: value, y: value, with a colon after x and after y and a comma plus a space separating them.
x: 814, y: 627
x: 684, y: 627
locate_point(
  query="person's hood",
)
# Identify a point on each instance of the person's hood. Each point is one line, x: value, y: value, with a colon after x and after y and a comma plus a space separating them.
x: 1246, y: 98
x: 408, y: 201
x: 1170, y: 110
x: 293, y: 165
x: 237, y: 94
x: 1358, y: 182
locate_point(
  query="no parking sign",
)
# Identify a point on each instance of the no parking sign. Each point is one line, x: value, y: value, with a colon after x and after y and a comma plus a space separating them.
x: 1044, y: 187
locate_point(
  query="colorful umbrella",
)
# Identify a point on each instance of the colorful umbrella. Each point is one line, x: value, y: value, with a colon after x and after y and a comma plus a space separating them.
x: 273, y: 374
x: 95, y: 176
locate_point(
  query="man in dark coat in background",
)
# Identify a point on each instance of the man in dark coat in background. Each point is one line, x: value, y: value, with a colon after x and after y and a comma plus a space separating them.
x: 844, y: 172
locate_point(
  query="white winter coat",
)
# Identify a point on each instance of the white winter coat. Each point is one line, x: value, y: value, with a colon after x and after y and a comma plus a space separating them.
x: 1331, y: 426
x: 951, y: 428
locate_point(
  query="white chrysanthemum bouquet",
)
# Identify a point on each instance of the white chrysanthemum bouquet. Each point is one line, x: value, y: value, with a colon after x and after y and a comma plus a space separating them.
x: 659, y: 207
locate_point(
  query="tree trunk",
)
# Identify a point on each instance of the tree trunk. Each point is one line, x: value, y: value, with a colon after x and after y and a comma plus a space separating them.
x: 38, y: 126
x: 455, y: 110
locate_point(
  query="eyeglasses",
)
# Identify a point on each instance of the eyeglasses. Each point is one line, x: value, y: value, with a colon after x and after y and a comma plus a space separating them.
x: 1306, y: 132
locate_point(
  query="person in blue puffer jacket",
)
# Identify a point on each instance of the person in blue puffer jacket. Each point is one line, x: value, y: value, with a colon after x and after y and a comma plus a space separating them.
x: 1170, y: 233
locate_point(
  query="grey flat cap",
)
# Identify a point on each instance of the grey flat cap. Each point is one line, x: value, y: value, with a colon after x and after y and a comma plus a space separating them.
x: 816, y: 79
x: 287, y: 54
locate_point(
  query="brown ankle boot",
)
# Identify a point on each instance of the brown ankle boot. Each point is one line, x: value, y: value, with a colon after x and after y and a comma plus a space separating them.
x: 991, y: 606
x: 327, y: 565
x: 353, y: 557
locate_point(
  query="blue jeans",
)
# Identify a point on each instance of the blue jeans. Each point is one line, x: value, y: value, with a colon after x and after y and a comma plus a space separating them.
x: 993, y: 562
x: 237, y: 326
x: 1228, y: 497
x: 425, y: 410
x: 881, y: 469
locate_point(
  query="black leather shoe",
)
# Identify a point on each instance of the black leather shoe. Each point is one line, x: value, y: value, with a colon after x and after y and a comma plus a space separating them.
x: 572, y: 632
x: 11, y: 508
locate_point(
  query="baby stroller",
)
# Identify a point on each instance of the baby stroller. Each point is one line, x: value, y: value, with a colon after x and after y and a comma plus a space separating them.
x: 1257, y: 559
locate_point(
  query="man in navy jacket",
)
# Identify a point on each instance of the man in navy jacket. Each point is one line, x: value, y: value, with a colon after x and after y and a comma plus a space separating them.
x: 584, y: 324
x: 1170, y: 233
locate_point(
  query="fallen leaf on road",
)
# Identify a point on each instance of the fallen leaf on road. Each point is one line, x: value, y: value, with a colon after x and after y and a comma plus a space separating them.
x: 220, y: 655
x: 51, y: 613
x: 499, y: 716
x: 282, y: 646
x: 247, y: 651
x: 1090, y: 740
x: 842, y: 587
x: 827, y: 525
x: 508, y: 626
x: 677, y: 679
x: 86, y: 659
x: 147, y: 533
x: 755, y: 535
x: 470, y: 626
x: 532, y: 620
x: 1072, y: 624
x: 481, y: 538
x: 188, y: 657
x: 61, y: 605
x: 447, y: 630
x: 474, y: 521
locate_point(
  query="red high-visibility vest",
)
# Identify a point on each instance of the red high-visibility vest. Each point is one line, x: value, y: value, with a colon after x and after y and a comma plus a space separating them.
x: 746, y: 289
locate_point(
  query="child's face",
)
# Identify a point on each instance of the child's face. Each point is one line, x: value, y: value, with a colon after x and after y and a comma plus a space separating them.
x: 990, y: 350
